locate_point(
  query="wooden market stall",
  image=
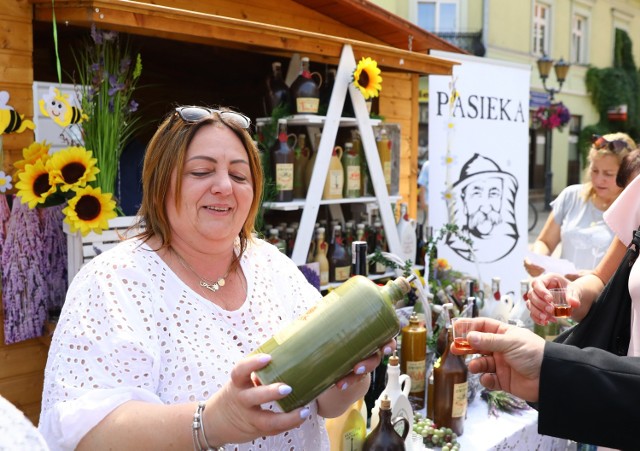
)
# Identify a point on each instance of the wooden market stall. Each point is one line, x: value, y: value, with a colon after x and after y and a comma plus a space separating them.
x: 201, y: 51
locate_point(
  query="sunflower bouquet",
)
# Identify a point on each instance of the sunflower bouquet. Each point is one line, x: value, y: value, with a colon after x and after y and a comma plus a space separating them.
x: 46, y: 180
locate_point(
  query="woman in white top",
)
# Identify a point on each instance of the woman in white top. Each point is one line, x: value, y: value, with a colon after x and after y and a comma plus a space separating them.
x: 576, y: 219
x: 166, y: 320
x: 624, y: 218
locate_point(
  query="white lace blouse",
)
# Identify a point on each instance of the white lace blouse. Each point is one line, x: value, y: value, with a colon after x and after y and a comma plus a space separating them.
x: 130, y: 329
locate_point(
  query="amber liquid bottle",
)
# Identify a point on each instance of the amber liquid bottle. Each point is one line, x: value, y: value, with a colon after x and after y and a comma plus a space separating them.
x: 413, y: 359
x: 384, y: 437
x: 450, y: 389
x: 283, y: 160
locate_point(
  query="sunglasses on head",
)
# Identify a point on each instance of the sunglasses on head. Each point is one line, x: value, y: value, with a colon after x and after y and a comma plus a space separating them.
x: 195, y: 114
x: 600, y: 142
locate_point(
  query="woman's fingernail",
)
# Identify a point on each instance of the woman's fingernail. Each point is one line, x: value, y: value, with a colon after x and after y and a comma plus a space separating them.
x: 264, y: 358
x: 387, y: 350
x: 304, y: 413
x: 344, y: 386
x: 284, y: 389
x: 360, y: 370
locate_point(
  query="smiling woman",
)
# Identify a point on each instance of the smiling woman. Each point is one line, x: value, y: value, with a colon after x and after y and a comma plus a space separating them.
x: 182, y: 305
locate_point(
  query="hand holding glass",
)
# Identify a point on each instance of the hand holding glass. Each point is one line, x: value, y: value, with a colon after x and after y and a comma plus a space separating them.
x: 461, y: 327
x: 561, y: 307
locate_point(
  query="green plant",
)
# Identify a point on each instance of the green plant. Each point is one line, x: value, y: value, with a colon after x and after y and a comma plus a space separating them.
x: 107, y: 77
x: 610, y: 87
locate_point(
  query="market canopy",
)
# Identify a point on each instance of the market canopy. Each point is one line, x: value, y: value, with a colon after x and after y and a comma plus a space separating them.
x: 394, y: 43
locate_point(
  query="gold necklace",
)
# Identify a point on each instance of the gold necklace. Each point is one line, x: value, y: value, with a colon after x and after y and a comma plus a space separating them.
x: 209, y: 285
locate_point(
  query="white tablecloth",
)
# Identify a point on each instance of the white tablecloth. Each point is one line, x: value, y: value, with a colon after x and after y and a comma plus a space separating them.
x: 507, y: 432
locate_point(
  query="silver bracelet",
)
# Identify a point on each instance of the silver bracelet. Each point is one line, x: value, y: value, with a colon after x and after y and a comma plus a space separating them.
x: 198, y: 432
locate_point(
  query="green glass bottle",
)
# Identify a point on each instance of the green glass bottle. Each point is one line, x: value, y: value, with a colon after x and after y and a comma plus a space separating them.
x: 323, y: 345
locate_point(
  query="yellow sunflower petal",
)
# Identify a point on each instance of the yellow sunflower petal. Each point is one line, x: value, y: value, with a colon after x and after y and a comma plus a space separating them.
x: 72, y: 167
x: 34, y: 186
x: 36, y: 151
x: 89, y: 211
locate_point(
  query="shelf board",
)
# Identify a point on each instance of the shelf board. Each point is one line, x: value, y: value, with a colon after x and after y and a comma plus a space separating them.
x: 314, y: 119
x: 299, y: 204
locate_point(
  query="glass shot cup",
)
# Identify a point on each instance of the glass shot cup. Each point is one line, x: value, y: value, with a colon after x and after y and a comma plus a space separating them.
x: 561, y: 307
x: 461, y: 327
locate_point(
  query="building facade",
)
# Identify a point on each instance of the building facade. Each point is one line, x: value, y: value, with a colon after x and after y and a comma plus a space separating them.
x: 581, y: 32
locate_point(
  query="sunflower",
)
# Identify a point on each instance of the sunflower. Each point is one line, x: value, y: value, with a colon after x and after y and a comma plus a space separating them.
x: 36, y: 151
x: 89, y: 210
x: 72, y: 167
x: 35, y: 186
x: 367, y: 78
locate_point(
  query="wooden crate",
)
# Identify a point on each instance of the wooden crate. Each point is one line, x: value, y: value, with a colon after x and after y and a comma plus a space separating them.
x: 81, y: 249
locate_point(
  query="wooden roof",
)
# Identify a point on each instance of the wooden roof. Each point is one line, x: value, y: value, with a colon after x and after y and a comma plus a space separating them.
x: 370, y: 30
x: 377, y: 21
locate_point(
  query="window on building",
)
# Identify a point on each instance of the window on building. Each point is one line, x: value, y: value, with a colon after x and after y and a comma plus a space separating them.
x: 541, y: 28
x: 438, y: 15
x: 579, y: 39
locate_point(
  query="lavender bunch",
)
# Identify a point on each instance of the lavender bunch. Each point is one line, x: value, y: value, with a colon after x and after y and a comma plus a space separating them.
x: 54, y: 262
x: 501, y: 400
x: 24, y: 293
x: 5, y: 212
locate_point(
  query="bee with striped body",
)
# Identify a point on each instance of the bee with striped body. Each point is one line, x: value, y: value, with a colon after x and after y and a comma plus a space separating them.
x: 10, y: 120
x: 56, y: 105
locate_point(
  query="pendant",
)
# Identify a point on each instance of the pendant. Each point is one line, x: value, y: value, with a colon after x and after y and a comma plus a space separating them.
x: 210, y: 286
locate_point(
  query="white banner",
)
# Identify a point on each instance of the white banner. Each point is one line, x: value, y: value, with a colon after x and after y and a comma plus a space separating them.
x: 478, y: 167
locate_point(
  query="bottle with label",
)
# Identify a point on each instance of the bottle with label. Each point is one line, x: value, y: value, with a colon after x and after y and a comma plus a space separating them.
x: 407, y: 234
x: 385, y: 436
x: 450, y: 386
x: 305, y: 91
x: 283, y: 157
x: 301, y: 158
x: 274, y: 238
x: 351, y: 163
x: 348, y: 431
x: 397, y: 390
x: 324, y: 344
x: 334, y: 182
x: 413, y: 359
x: 378, y: 242
x: 339, y: 261
x: 321, y: 249
x: 384, y: 152
x: 277, y: 94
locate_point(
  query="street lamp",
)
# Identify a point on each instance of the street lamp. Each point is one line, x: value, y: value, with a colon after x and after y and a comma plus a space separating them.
x: 544, y: 68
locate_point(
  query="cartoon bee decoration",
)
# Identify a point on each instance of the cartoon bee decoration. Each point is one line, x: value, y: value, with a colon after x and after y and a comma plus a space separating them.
x: 10, y: 120
x: 56, y: 106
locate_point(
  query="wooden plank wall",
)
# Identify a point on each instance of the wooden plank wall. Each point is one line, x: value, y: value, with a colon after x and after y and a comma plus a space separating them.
x: 21, y: 364
x: 399, y: 105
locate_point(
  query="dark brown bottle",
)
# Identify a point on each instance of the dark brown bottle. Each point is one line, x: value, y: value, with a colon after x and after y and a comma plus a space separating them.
x: 277, y: 90
x: 305, y: 92
x: 413, y: 359
x: 283, y: 159
x: 384, y: 436
x: 450, y: 389
x: 339, y: 261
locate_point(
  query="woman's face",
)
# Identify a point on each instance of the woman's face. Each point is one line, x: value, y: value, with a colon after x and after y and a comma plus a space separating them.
x: 217, y: 188
x: 603, y: 170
